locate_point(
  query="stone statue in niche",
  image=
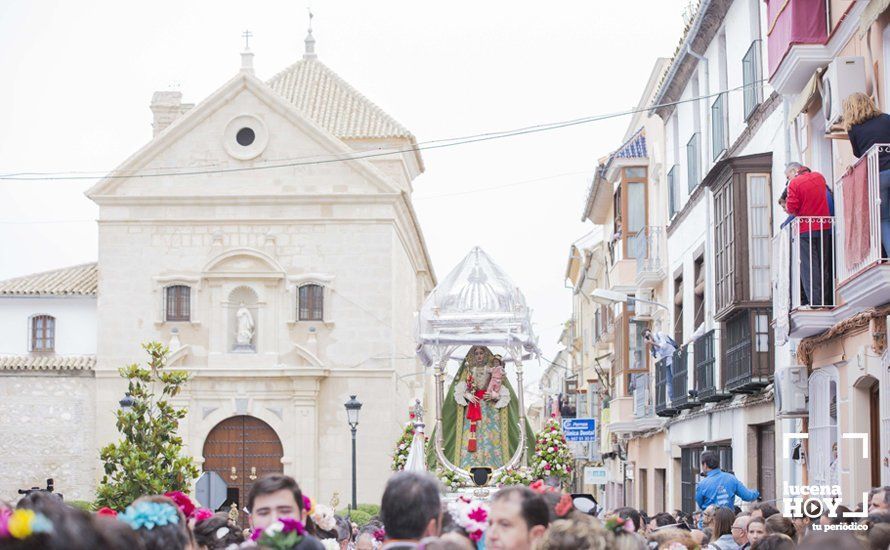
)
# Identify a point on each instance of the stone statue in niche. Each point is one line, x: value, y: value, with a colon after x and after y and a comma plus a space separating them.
x: 244, y: 329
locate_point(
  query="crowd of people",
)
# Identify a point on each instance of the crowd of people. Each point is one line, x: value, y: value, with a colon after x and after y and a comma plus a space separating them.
x: 415, y: 514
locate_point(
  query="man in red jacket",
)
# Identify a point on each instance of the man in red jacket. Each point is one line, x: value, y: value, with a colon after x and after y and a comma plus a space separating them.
x: 808, y: 200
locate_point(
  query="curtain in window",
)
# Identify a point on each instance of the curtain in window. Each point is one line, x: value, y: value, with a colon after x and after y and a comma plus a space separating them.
x: 759, y: 236
x: 43, y: 333
x: 178, y: 303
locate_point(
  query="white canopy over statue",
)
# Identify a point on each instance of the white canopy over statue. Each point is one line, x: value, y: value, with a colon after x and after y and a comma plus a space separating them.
x: 477, y: 306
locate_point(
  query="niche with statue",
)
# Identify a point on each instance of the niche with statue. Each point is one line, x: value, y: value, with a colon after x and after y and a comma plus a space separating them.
x: 243, y: 315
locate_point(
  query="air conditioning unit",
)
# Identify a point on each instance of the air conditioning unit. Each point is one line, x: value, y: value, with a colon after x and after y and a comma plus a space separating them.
x: 843, y: 77
x: 791, y: 392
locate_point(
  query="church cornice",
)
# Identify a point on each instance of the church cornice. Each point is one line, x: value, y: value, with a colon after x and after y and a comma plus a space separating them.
x: 278, y: 199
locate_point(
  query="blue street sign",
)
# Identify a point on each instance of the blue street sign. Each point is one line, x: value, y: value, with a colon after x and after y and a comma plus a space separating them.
x: 579, y: 429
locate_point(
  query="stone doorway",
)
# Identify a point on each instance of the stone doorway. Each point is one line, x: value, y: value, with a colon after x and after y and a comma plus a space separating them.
x: 242, y: 449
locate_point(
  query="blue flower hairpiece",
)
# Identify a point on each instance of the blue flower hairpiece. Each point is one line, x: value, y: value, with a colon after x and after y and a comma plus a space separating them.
x: 148, y: 515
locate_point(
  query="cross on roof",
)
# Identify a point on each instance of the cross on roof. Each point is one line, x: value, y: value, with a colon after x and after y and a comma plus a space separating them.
x: 247, y: 35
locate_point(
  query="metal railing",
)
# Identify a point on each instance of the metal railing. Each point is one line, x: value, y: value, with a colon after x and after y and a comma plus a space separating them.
x: 647, y: 248
x: 705, y: 359
x: 680, y: 398
x: 663, y: 389
x: 858, y: 210
x: 718, y: 126
x: 811, y: 279
x: 751, y: 76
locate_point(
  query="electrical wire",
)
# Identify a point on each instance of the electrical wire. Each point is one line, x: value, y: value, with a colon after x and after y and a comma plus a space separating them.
x: 307, y: 161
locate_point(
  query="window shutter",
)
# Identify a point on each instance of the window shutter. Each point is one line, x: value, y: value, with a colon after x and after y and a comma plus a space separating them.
x: 311, y: 306
x: 178, y: 303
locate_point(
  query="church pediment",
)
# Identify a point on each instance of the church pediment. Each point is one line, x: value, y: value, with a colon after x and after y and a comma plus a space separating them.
x: 244, y: 263
x: 243, y: 140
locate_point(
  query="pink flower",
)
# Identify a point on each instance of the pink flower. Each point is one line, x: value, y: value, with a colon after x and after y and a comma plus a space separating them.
x: 307, y: 504
x: 257, y: 533
x: 546, y: 466
x: 476, y: 536
x: 106, y: 511
x: 201, y: 514
x: 291, y: 525
x: 182, y: 501
x: 379, y: 535
x: 478, y: 515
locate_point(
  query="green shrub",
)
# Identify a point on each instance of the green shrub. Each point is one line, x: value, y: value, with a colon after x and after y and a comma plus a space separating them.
x: 84, y: 505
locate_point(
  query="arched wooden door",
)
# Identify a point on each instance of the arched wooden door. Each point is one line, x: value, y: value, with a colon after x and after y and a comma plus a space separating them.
x: 241, y: 449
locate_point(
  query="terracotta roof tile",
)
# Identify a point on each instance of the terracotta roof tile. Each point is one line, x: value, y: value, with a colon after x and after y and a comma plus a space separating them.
x: 48, y: 362
x: 79, y: 280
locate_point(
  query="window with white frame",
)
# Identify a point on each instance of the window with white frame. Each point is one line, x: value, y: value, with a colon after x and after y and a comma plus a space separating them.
x: 43, y: 333
x: 824, y: 438
x: 311, y: 303
x: 177, y: 299
x: 759, y: 235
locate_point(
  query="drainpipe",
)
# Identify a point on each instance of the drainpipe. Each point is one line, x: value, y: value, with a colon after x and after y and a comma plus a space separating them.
x: 704, y: 91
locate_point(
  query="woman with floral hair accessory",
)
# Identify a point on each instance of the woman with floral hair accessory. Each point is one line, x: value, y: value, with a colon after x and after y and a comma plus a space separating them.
x: 159, y: 522
x: 581, y: 533
x: 217, y: 532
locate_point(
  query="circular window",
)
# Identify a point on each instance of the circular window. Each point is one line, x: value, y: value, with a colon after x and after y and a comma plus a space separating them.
x: 245, y: 137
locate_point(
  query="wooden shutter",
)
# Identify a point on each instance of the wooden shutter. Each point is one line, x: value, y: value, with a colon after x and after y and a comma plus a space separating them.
x: 178, y: 303
x: 311, y: 303
x: 43, y: 333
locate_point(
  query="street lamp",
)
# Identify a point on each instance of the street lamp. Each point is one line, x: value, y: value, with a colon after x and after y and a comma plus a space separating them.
x: 610, y: 297
x: 353, y: 406
x: 127, y: 402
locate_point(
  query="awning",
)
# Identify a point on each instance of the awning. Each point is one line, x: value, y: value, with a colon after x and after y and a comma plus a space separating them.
x: 872, y: 11
x: 807, y: 95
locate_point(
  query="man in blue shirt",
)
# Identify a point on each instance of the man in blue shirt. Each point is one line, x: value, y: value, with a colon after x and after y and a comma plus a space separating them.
x: 718, y: 487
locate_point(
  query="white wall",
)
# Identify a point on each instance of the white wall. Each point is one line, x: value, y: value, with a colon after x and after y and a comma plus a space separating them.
x: 75, y: 323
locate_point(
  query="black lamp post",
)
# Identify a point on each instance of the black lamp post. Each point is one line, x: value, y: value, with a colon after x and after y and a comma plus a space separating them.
x: 127, y: 402
x: 353, y: 406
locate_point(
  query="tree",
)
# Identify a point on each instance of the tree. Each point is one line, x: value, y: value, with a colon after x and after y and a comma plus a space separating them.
x: 148, y: 458
x: 552, y: 454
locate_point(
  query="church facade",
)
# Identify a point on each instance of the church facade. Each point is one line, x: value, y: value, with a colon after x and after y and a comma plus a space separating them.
x: 261, y: 237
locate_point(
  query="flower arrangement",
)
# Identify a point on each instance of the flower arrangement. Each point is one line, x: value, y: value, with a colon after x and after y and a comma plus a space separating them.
x: 471, y: 515
x: 620, y: 525
x: 403, y: 447
x: 517, y: 476
x: 21, y: 524
x: 323, y: 516
x: 148, y: 515
x: 552, y: 455
x: 450, y: 480
x: 284, y: 534
x: 187, y: 507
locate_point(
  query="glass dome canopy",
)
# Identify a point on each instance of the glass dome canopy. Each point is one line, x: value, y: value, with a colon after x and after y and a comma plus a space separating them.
x: 477, y: 303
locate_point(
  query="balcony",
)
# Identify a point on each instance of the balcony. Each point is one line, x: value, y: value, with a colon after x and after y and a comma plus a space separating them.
x: 747, y: 365
x: 648, y: 248
x: 663, y: 388
x: 804, y: 281
x: 680, y: 398
x: 705, y: 358
x: 863, y: 267
x: 752, y: 73
x: 800, y: 40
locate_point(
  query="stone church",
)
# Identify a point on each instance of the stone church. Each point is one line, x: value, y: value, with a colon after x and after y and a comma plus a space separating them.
x: 281, y: 263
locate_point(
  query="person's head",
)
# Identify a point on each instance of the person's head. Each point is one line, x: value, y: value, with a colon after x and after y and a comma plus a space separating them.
x: 707, y: 516
x: 756, y: 529
x: 698, y: 536
x: 626, y: 512
x: 801, y: 525
x: 776, y: 541
x: 740, y: 529
x: 479, y: 355
x: 410, y: 507
x: 709, y: 461
x: 581, y: 533
x: 217, y: 532
x: 663, y: 538
x: 518, y: 518
x: 794, y: 169
x: 880, y: 500
x: 272, y: 497
x: 661, y: 519
x: 763, y: 510
x: 778, y: 523
x: 722, y: 524
x: 117, y: 535
x: 172, y: 533
x: 366, y: 539
x: 858, y: 108
x: 66, y: 528
x: 879, y: 536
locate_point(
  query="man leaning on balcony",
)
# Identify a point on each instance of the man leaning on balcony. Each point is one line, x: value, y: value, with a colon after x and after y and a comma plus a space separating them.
x: 809, y: 201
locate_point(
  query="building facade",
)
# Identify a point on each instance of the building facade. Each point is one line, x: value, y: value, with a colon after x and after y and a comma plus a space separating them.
x: 282, y: 291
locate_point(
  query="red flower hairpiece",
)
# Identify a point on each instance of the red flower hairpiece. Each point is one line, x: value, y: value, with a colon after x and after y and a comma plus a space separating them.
x: 379, y: 535
x: 182, y: 501
x: 564, y: 506
x: 106, y: 511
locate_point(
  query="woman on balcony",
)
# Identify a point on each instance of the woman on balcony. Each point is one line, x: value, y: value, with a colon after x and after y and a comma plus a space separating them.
x: 867, y: 126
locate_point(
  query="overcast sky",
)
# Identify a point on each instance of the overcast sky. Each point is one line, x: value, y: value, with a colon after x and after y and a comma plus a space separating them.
x: 78, y: 77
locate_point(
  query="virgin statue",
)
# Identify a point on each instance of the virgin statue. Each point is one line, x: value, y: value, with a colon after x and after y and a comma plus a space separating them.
x: 480, y: 416
x: 244, y: 333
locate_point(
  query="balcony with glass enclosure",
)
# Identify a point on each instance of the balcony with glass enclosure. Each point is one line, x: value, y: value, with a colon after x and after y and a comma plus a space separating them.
x: 705, y: 357
x: 680, y: 397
